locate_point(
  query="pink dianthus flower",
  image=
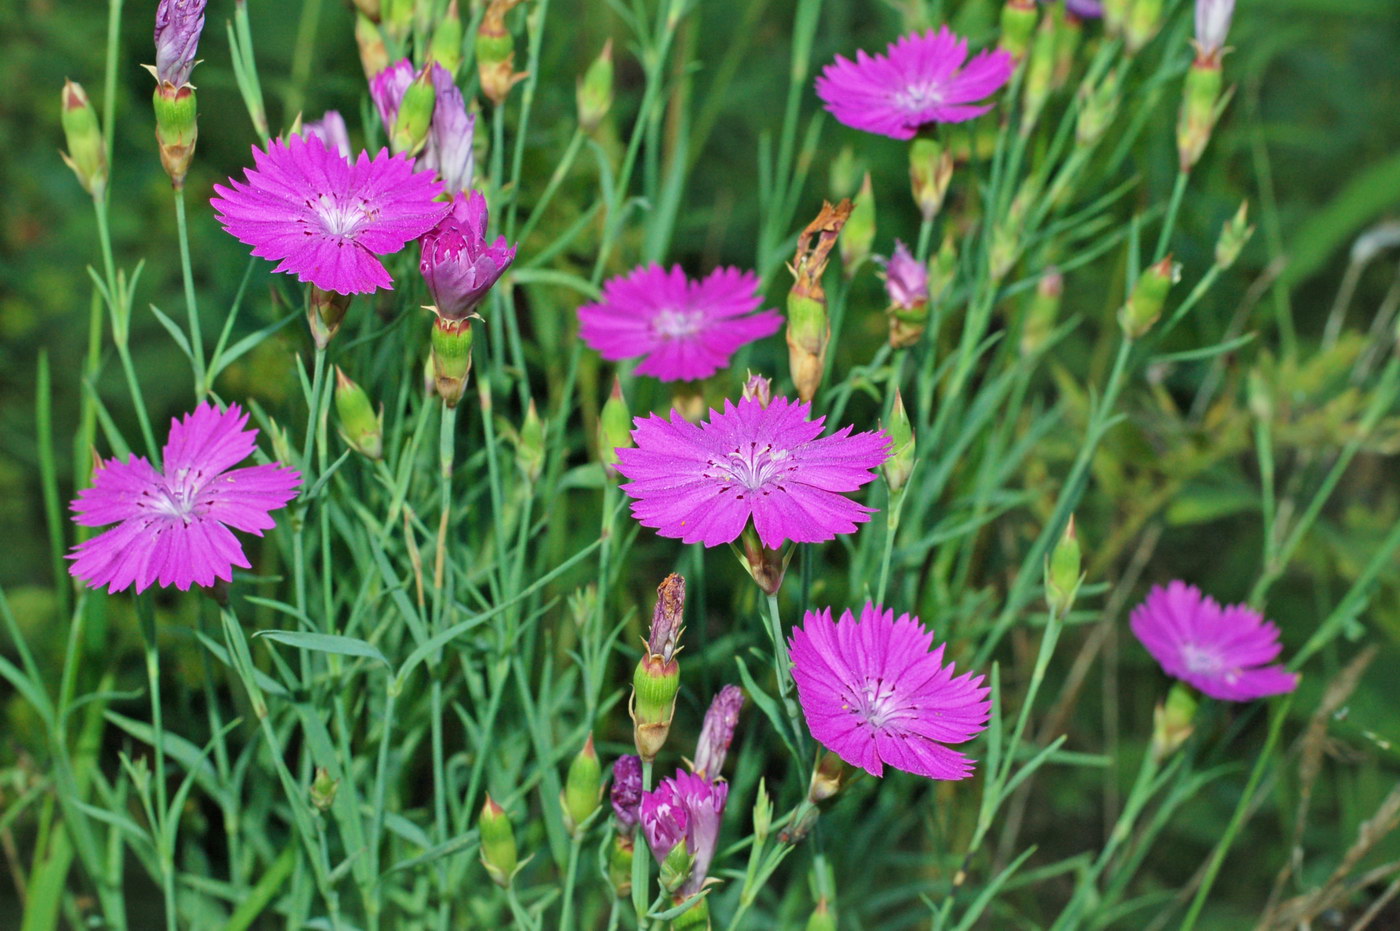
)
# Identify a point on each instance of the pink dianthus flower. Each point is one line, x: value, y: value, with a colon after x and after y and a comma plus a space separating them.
x: 874, y: 695
x: 1222, y: 652
x: 682, y: 329
x: 702, y: 483
x: 173, y: 525
x: 922, y: 79
x: 686, y: 808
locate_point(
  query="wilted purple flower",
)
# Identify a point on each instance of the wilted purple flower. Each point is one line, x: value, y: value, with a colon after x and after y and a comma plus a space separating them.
x: 687, y: 807
x: 703, y: 482
x: 874, y: 695
x: 1212, y: 25
x: 906, y: 279
x: 667, y: 617
x: 627, y: 793
x: 173, y: 526
x: 718, y: 731
x: 330, y: 129
x: 325, y: 219
x: 1220, y: 651
x: 922, y: 79
x: 178, y: 25
x: 457, y: 263
x: 450, y: 135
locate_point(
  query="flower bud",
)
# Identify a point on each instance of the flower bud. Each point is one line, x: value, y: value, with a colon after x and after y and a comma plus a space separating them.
x: 930, y: 171
x: 1007, y: 240
x: 1233, y: 237
x: 445, y: 48
x: 859, y: 233
x: 766, y: 567
x: 595, y: 91
x: 620, y: 865
x: 361, y: 427
x: 1040, y: 72
x: 658, y: 675
x: 844, y: 173
x: 1173, y: 721
x: 614, y: 427
x: 675, y: 867
x: 87, y: 153
x: 906, y: 282
x: 1017, y: 23
x: 411, y: 124
x: 1212, y: 26
x: 1041, y: 312
x: 809, y: 326
x: 330, y: 129
x: 694, y: 918
x: 1062, y: 572
x: 583, y: 789
x: 529, y: 448
x: 396, y: 16
x: 1260, y: 395
x: 1069, y: 32
x: 822, y: 919
x: 1098, y: 105
x: 827, y: 777
x: 495, y: 52
x: 374, y: 54
x: 452, y: 358
x: 323, y: 789
x: 498, y: 852
x: 1144, y: 19
x: 176, y: 129
x: 369, y: 8
x: 1199, y: 110
x: 942, y: 268
x: 324, y: 312
x: 626, y: 794
x: 762, y: 813
x: 1115, y: 15
x: 1145, y: 305
x: 900, y: 465
x: 718, y: 732
x: 760, y: 389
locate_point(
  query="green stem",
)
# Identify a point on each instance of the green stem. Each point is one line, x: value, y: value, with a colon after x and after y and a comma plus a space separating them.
x: 165, y: 839
x: 566, y: 912
x: 191, y: 305
x: 1173, y: 207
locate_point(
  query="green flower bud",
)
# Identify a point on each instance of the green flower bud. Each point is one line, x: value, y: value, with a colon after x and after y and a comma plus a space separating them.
x: 1173, y: 721
x: 1233, y: 237
x: 323, y: 789
x: 1144, y: 19
x: 900, y: 465
x: 620, y: 865
x: 415, y: 116
x: 495, y: 52
x: 1017, y: 23
x: 452, y: 358
x: 694, y: 918
x: 583, y: 788
x: 859, y: 234
x: 374, y: 55
x: 498, y: 852
x: 657, y: 678
x: 595, y: 91
x: 1098, y: 105
x: 930, y: 171
x: 361, y: 427
x: 614, y: 428
x: 529, y: 448
x: 1260, y: 395
x: 1043, y: 309
x: 823, y: 919
x: 809, y: 326
x: 324, y: 312
x: 176, y: 129
x: 1115, y: 15
x: 1040, y: 72
x: 827, y: 777
x: 1069, y: 33
x: 1145, y: 305
x: 397, y: 17
x: 1198, y: 112
x: 844, y: 173
x: 942, y: 268
x: 762, y: 813
x: 87, y: 154
x: 446, y: 45
x: 675, y: 868
x: 369, y: 8
x: 766, y: 567
x: 1062, y: 572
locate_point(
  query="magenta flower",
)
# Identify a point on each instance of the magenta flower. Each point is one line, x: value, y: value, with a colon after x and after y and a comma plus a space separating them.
x: 324, y: 219
x: 702, y: 483
x: 457, y: 264
x: 906, y: 279
x: 387, y: 88
x: 687, y: 807
x: 449, y: 151
x: 921, y: 80
x: 718, y: 732
x: 178, y: 26
x: 173, y: 527
x: 627, y: 793
x: 682, y: 329
x: 874, y: 695
x: 1212, y: 26
x: 330, y: 129
x: 1222, y: 652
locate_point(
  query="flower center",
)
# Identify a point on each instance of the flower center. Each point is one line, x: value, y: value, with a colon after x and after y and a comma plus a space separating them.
x: 876, y: 702
x: 752, y: 467
x: 340, y: 219
x: 1200, y: 660
x: 175, y: 498
x: 918, y: 96
x: 677, y: 324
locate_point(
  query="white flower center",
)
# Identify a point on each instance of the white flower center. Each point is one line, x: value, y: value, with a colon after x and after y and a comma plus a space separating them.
x: 340, y: 219
x: 1200, y: 660
x: 919, y: 96
x: 677, y: 324
x: 752, y: 468
x: 175, y: 497
x: 877, y: 702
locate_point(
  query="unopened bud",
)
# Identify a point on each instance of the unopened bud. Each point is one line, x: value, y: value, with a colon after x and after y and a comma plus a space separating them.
x: 374, y: 54
x: 1199, y: 109
x: 1144, y: 19
x: 324, y: 312
x: 757, y: 388
x: 620, y: 865
x: 1063, y: 572
x: 765, y: 566
x: 583, y: 788
x: 176, y: 129
x: 694, y: 918
x: 362, y: 428
x: 1008, y: 235
x: 1098, y: 105
x: 675, y: 867
x: 415, y: 116
x: 718, y: 732
x: 1069, y: 32
x: 595, y: 91
x: 762, y: 813
x: 1017, y: 23
x: 1145, y: 304
x: 859, y: 233
x: 1115, y: 15
x: 281, y: 443
x: 1233, y: 237
x: 323, y: 789
x: 396, y: 16
x: 658, y: 676
x: 87, y: 154
x: 823, y: 918
x: 900, y: 465
x: 495, y: 52
x: 1173, y: 721
x: 1041, y: 312
x: 452, y: 358
x: 614, y: 427
x: 930, y: 171
x: 498, y: 853
x: 446, y: 45
x: 1260, y: 395
x: 827, y: 777
x: 530, y: 447
x: 809, y: 326
x: 1040, y: 72
x: 368, y: 8
x: 844, y: 174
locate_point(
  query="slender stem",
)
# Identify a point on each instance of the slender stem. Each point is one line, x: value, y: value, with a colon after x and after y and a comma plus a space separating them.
x: 191, y: 305
x: 165, y: 839
x: 1173, y: 207
x: 891, y: 528
x: 566, y: 912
